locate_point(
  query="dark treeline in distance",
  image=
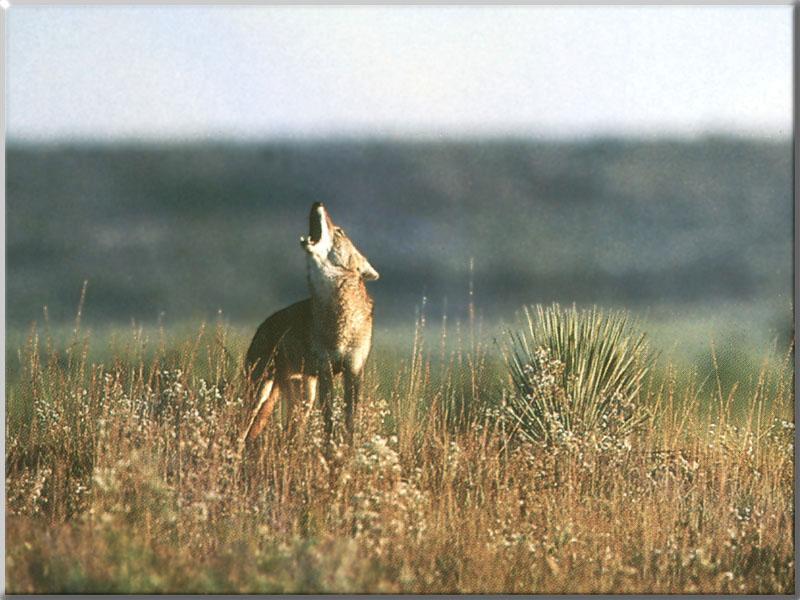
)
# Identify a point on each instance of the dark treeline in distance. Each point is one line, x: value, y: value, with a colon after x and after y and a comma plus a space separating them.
x: 184, y: 230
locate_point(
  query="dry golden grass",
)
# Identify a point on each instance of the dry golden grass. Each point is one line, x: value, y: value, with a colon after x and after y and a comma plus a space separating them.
x: 125, y: 477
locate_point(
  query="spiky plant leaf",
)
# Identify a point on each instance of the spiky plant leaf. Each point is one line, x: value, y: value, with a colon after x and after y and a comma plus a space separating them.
x: 576, y: 372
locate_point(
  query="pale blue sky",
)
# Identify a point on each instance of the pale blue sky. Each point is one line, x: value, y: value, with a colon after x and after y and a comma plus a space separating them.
x: 259, y: 72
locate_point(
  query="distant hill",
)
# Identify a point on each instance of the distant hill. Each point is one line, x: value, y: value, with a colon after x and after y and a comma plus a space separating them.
x: 185, y: 230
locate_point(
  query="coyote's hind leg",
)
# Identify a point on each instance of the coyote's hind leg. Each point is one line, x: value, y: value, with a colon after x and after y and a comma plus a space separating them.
x: 269, y: 395
x: 308, y: 399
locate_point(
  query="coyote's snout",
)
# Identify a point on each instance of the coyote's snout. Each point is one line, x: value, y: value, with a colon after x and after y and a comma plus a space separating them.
x: 318, y: 338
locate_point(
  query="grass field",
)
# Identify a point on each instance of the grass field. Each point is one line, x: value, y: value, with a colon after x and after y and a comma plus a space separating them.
x: 124, y: 474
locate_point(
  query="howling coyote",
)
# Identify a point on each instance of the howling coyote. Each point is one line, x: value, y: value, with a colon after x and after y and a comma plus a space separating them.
x: 318, y: 338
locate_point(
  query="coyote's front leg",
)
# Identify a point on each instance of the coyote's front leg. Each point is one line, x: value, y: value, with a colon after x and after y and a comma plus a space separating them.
x: 325, y: 395
x: 352, y: 394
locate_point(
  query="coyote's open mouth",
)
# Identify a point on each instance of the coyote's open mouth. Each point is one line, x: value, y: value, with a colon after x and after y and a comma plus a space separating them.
x: 315, y: 218
x: 319, y: 230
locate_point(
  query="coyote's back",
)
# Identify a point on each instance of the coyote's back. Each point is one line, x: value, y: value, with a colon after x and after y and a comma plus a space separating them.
x: 288, y: 330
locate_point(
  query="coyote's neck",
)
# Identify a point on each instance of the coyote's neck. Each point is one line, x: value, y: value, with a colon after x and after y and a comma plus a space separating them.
x: 340, y: 305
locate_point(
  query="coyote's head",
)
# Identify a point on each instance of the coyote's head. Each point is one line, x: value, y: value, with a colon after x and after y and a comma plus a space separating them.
x: 329, y: 248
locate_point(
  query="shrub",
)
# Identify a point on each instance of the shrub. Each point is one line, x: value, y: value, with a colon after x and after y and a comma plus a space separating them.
x: 575, y: 372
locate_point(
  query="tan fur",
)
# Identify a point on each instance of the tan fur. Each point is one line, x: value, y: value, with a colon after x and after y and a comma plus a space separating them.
x: 316, y: 339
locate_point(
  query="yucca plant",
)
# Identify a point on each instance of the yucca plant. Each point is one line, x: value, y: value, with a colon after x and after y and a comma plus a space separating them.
x: 576, y: 372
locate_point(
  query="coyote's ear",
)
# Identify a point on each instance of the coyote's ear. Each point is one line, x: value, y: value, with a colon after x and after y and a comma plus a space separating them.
x: 368, y: 273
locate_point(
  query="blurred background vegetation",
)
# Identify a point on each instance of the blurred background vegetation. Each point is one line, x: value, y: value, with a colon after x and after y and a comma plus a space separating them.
x: 693, y: 235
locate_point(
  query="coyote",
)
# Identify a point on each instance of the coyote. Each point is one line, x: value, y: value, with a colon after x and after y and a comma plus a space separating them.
x: 317, y: 338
